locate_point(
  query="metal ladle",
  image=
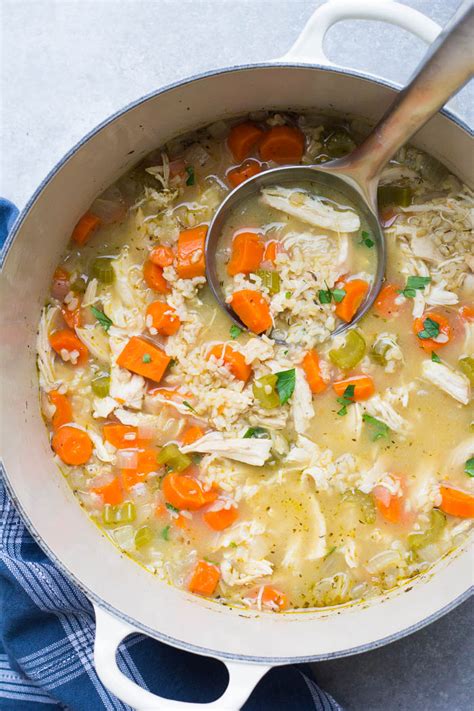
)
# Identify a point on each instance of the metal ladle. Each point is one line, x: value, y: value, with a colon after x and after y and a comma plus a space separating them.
x: 447, y: 66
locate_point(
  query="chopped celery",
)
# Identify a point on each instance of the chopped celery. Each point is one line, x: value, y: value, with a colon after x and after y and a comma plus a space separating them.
x: 173, y: 458
x: 101, y: 385
x: 432, y: 533
x: 270, y: 279
x: 350, y: 353
x: 265, y: 391
x: 394, y: 195
x: 143, y: 537
x: 365, y: 503
x: 103, y: 270
x: 79, y: 285
x: 338, y: 143
x: 120, y: 513
x: 378, y: 351
x: 466, y: 365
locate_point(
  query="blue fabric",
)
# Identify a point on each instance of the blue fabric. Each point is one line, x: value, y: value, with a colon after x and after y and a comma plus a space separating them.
x: 47, y: 635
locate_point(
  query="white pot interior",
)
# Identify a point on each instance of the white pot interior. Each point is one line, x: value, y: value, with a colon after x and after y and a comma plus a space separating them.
x: 45, y: 499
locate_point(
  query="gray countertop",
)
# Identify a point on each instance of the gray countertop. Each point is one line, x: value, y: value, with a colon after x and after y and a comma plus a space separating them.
x: 68, y: 64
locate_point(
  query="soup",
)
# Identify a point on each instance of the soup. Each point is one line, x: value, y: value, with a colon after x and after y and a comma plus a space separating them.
x: 281, y: 468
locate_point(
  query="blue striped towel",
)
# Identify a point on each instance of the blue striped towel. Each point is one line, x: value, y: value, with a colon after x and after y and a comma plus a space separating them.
x: 47, y: 637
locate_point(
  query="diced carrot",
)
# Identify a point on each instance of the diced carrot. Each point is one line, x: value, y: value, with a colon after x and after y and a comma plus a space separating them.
x: 142, y: 357
x: 243, y: 138
x: 72, y: 318
x: 85, y: 228
x: 282, y: 144
x: 272, y: 248
x: 204, y: 578
x: 130, y: 477
x: 389, y: 506
x: 121, y: 436
x: 457, y: 502
x: 243, y: 172
x: 146, y: 463
x: 355, y: 294
x: 233, y: 360
x: 430, y: 344
x: 186, y: 492
x: 252, y: 309
x: 466, y: 312
x: 72, y: 445
x: 181, y: 522
x: 63, y: 412
x: 270, y: 597
x: 313, y: 372
x: 191, y: 259
x: 192, y: 434
x: 221, y: 519
x: 111, y: 493
x: 153, y: 275
x: 162, y: 256
x: 247, y: 253
x: 163, y: 317
x: 61, y: 274
x: 66, y: 341
x: 385, y: 303
x: 363, y: 386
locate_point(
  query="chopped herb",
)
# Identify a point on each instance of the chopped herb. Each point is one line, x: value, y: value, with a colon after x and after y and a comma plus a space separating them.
x: 189, y: 406
x: 326, y: 295
x: 190, y: 180
x: 104, y: 320
x: 285, y: 384
x: 346, y: 399
x: 366, y: 239
x: 235, y: 331
x: 165, y: 533
x: 172, y: 362
x: 288, y: 295
x: 210, y: 561
x: 430, y: 329
x: 469, y: 467
x: 146, y: 358
x: 414, y: 284
x: 338, y: 295
x: 435, y: 357
x: 379, y: 428
x: 256, y: 433
x: 170, y: 507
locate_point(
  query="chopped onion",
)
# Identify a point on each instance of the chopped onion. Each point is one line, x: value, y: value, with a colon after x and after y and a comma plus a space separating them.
x: 383, y: 560
x: 127, y: 459
x: 125, y: 537
x: 109, y: 206
x: 146, y: 431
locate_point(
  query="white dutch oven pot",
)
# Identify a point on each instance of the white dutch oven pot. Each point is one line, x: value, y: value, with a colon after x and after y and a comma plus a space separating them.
x: 127, y: 598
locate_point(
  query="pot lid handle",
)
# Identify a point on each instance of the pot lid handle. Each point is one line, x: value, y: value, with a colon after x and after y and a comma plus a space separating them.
x: 308, y: 47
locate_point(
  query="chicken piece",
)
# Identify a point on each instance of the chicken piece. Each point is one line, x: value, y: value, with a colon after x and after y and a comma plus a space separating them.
x: 310, y: 209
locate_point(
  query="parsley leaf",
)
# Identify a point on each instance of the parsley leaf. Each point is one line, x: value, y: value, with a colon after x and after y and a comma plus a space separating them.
x: 338, y: 295
x: 288, y: 295
x: 430, y: 329
x: 435, y: 357
x: 170, y: 507
x: 285, y: 384
x: 414, y: 283
x: 256, y: 433
x: 146, y: 358
x: 104, y: 320
x: 165, y: 533
x: 325, y: 295
x: 235, y: 331
x: 191, y: 179
x: 366, y: 239
x: 346, y: 399
x: 379, y: 428
x: 469, y: 467
x: 189, y: 406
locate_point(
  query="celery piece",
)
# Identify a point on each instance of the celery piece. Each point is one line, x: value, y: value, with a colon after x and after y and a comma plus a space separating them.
x: 466, y: 365
x: 102, y: 270
x: 270, y: 279
x: 394, y: 195
x: 143, y: 537
x: 432, y: 533
x: 350, y: 353
x: 120, y: 513
x: 100, y: 385
x: 175, y: 460
x: 265, y: 391
x: 365, y: 503
x: 339, y: 143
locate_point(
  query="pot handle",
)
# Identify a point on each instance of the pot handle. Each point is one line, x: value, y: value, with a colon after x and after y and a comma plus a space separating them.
x: 110, y: 632
x: 308, y: 47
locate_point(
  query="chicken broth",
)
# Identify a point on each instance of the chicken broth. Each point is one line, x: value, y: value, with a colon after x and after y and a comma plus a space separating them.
x: 264, y: 474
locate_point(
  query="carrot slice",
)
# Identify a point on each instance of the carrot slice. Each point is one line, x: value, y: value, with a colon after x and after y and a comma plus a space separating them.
x: 192, y: 434
x: 219, y: 520
x: 146, y: 463
x: 186, y: 492
x: 65, y: 342
x: 282, y: 144
x: 363, y: 386
x: 72, y: 318
x: 312, y: 371
x: 385, y: 303
x: 72, y: 445
x: 389, y: 506
x: 85, y: 228
x: 457, y: 502
x: 204, y: 578
x: 140, y: 356
x: 233, y: 360
x: 162, y: 256
x: 355, y: 294
x: 247, y: 253
x: 429, y: 344
x: 163, y: 317
x: 63, y: 412
x: 466, y: 312
x: 111, y: 493
x: 271, y: 250
x: 243, y: 138
x: 270, y: 597
x: 153, y: 275
x: 243, y: 172
x: 121, y: 436
x: 191, y: 262
x: 252, y: 309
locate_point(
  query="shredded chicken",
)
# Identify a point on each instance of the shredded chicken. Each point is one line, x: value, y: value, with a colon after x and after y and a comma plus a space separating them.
x: 249, y: 451
x: 451, y: 381
x: 311, y: 209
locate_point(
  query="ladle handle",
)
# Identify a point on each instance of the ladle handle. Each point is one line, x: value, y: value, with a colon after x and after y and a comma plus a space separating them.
x: 448, y: 65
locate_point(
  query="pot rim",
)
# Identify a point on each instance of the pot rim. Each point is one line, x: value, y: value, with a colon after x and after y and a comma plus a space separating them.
x: 92, y: 596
